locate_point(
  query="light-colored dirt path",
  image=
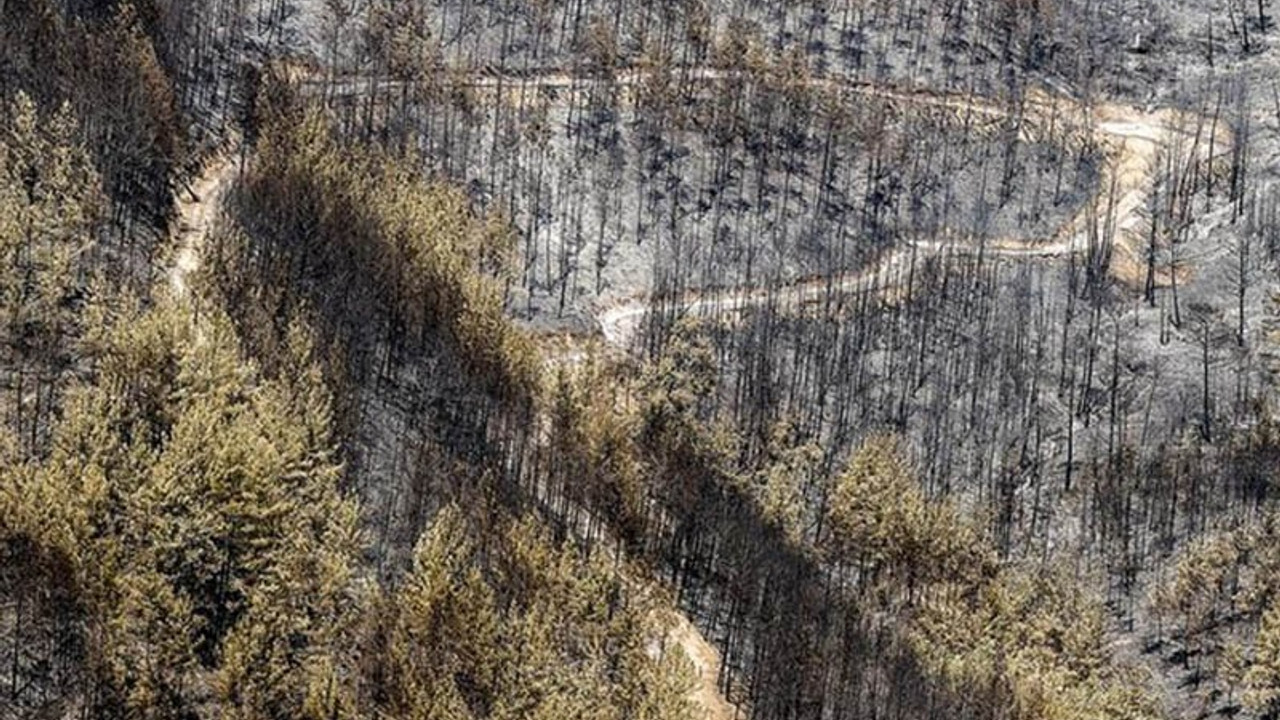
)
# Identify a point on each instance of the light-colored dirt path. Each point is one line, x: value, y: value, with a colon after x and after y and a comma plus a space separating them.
x: 706, y: 663
x: 1131, y: 140
x: 197, y: 211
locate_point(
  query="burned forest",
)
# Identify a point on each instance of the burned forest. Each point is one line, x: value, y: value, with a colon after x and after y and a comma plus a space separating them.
x: 689, y: 359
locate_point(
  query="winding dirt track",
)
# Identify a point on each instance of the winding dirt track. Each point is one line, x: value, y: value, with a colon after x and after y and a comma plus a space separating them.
x: 1130, y: 138
x: 196, y: 216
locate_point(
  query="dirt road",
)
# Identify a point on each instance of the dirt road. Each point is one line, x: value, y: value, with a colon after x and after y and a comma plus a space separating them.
x: 1132, y: 141
x: 196, y: 215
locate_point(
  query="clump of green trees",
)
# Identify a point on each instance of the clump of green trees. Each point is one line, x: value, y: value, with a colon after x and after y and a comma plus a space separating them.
x: 189, y: 511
